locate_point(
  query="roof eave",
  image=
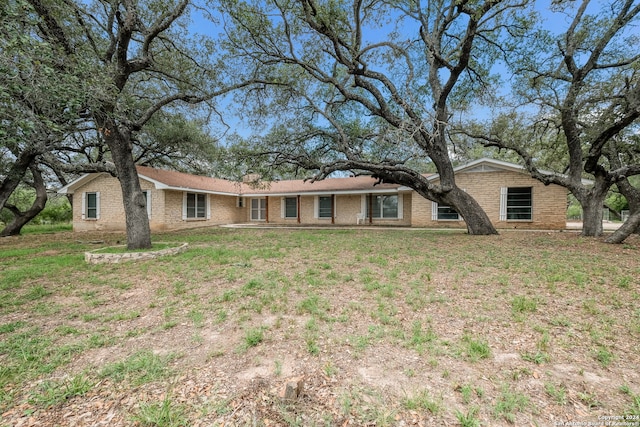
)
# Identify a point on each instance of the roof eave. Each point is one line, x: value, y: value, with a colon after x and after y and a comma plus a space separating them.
x: 322, y: 192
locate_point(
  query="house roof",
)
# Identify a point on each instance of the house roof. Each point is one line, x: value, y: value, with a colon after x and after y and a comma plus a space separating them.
x: 487, y: 164
x: 172, y: 180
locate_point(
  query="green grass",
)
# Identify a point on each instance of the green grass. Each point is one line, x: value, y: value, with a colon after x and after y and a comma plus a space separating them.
x: 475, y: 349
x: 522, y: 304
x: 422, y: 401
x: 166, y: 413
x: 558, y: 393
x: 46, y: 228
x: 140, y: 368
x: 50, y: 393
x: 469, y: 418
x: 509, y: 403
x: 253, y: 337
x: 434, y: 307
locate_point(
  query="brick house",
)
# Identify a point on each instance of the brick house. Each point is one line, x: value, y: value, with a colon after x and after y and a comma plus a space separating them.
x: 175, y: 200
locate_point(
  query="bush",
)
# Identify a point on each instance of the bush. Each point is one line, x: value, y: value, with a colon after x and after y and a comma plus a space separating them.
x: 57, y: 210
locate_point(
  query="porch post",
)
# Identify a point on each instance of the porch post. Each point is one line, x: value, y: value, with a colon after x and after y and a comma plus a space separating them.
x: 333, y: 208
x: 370, y: 208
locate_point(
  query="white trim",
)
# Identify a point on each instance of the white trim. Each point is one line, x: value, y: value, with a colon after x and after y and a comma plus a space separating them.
x: 148, y: 201
x: 499, y: 164
x: 207, y: 206
x: 184, y: 206
x: 259, y: 209
x: 85, y: 205
x: 503, y: 203
x: 83, y: 180
x: 316, y: 207
x: 326, y: 193
x: 434, y: 211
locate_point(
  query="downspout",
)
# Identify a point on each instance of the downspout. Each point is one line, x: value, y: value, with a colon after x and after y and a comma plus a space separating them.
x: 298, y: 208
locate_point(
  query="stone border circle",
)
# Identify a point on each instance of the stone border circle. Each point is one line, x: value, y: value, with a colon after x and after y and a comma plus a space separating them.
x: 95, y: 257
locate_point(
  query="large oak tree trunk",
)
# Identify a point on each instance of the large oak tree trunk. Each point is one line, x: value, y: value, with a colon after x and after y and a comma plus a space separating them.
x: 592, y: 202
x: 592, y: 217
x: 20, y: 219
x: 135, y: 209
x: 632, y: 224
x: 14, y: 176
x: 478, y: 222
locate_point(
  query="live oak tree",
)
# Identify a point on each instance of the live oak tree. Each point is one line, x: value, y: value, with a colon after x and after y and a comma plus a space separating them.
x: 580, y: 88
x: 370, y: 86
x: 148, y: 62
x: 42, y: 101
x: 624, y: 151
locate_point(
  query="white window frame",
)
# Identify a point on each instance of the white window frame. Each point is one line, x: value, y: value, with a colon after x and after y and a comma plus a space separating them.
x: 283, y: 207
x: 85, y: 206
x: 147, y: 195
x: 207, y: 207
x: 400, y: 206
x: 435, y: 213
x: 504, y: 205
x: 316, y: 208
x: 261, y: 210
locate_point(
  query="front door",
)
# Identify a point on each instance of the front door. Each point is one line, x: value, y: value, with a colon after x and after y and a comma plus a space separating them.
x: 258, y: 209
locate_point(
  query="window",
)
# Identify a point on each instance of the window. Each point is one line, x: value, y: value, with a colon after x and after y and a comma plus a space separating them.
x: 147, y: 199
x: 239, y: 202
x: 258, y: 209
x: 516, y: 204
x: 195, y: 206
x: 384, y: 207
x: 443, y: 213
x: 325, y: 207
x: 291, y: 207
x: 91, y: 205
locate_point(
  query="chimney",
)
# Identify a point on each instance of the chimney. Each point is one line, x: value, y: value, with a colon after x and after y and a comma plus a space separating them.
x: 251, y: 178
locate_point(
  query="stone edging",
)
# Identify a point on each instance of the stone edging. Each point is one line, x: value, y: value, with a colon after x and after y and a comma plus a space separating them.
x: 102, y: 258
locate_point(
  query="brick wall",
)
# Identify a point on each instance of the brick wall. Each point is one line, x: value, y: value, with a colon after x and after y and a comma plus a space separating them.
x: 549, y: 202
x: 347, y: 207
x: 549, y: 206
x: 166, y: 208
x: 111, y: 207
x: 223, y: 211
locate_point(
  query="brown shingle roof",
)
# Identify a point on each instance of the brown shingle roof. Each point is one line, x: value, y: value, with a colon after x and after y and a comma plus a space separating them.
x: 179, y: 180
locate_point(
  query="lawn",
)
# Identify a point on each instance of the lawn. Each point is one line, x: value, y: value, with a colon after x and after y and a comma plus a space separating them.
x: 381, y: 328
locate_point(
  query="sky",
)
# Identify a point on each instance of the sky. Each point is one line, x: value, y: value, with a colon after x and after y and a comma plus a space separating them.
x: 552, y: 21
